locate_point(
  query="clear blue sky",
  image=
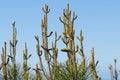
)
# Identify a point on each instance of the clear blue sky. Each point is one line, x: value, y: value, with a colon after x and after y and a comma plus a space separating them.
x: 99, y: 20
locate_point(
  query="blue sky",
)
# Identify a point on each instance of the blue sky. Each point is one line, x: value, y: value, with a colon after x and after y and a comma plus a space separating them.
x: 99, y: 21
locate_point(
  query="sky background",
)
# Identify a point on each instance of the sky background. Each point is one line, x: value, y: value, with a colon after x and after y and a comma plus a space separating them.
x: 99, y: 20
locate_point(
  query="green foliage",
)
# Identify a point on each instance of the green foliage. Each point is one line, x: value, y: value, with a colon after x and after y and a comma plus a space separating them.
x: 11, y: 74
x: 65, y: 72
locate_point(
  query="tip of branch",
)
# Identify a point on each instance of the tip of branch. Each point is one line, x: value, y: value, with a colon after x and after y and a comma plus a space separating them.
x: 36, y: 37
x: 13, y: 23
